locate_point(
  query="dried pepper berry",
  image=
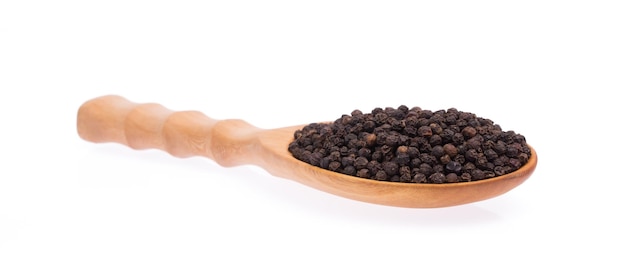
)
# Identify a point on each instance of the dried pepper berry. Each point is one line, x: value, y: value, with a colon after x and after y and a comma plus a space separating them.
x: 412, y: 145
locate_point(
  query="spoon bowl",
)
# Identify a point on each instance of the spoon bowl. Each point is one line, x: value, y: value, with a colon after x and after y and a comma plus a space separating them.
x: 235, y: 142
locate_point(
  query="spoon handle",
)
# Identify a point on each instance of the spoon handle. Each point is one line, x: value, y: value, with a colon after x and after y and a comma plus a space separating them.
x: 113, y: 118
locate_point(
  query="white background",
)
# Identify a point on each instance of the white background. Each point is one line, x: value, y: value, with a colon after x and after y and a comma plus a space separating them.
x: 550, y: 70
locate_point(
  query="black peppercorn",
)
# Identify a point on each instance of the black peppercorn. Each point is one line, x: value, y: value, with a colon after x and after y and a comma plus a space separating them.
x: 445, y: 159
x: 426, y: 114
x: 402, y: 159
x: 360, y: 162
x: 405, y: 177
x: 468, y: 167
x: 474, y: 143
x: 374, y: 166
x: 437, y: 151
x: 435, y: 127
x: 438, y: 168
x: 450, y: 150
x: 437, y: 178
x: 392, y: 140
x: 424, y: 131
x: 512, y: 151
x: 499, y: 170
x: 523, y: 158
x: 363, y: 173
x: 428, y: 158
x: 446, y: 135
x: 471, y: 155
x: 324, y: 162
x: 411, y: 145
x: 468, y: 132
x: 458, y: 139
x: 377, y: 156
x: 435, y: 139
x: 370, y: 139
x: 391, y: 168
x: 425, y: 169
x: 466, y: 177
x: 365, y: 152
x: 404, y: 170
x: 515, y: 163
x: 381, y: 175
x: 349, y: 170
x: 477, y: 174
x: 452, y: 177
x: 315, y: 158
x: 419, y: 178
x: 334, y: 166
x: 454, y: 167
x: 491, y: 154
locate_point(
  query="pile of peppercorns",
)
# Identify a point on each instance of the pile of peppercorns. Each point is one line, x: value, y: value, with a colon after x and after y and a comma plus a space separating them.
x: 412, y: 145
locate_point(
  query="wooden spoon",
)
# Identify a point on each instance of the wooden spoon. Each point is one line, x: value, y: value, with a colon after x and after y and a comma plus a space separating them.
x: 235, y: 142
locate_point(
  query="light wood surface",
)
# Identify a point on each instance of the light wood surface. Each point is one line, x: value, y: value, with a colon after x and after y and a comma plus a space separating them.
x: 235, y: 142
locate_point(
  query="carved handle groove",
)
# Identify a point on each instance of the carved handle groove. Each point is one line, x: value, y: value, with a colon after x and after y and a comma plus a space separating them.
x: 182, y: 134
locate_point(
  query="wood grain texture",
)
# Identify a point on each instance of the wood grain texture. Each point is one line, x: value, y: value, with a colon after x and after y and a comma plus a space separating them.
x: 235, y: 142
